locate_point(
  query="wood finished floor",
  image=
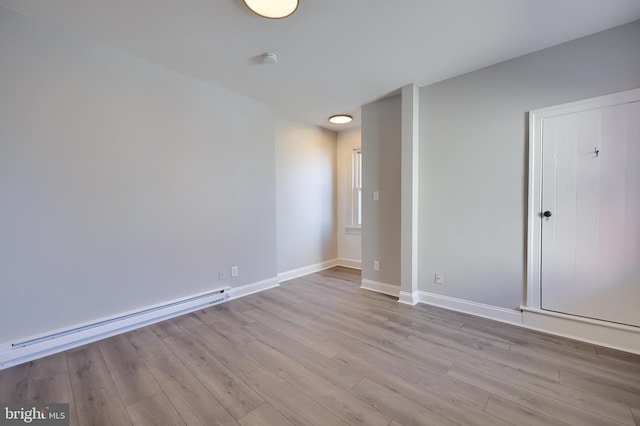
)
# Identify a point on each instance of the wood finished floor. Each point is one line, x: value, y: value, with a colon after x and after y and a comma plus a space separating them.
x: 320, y: 351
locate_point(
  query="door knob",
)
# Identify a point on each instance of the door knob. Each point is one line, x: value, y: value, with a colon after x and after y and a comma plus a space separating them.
x: 547, y: 214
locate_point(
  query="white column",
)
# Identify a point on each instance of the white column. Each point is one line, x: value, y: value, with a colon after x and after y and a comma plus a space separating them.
x: 409, y: 195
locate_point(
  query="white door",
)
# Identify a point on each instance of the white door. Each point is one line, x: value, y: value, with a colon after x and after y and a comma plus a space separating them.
x: 590, y: 216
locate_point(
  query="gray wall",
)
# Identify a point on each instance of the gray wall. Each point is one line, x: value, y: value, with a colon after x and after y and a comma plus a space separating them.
x: 381, y: 149
x: 306, y: 164
x: 125, y: 185
x: 473, y: 159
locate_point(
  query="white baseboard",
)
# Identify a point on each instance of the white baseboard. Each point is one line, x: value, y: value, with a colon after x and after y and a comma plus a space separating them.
x: 348, y: 263
x: 122, y: 323
x: 54, y: 341
x: 615, y: 336
x: 511, y: 316
x: 378, y: 287
x: 409, y: 298
x: 248, y: 289
x: 300, y: 272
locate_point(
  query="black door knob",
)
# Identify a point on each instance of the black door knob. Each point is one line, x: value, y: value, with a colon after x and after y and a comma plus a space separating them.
x: 547, y: 214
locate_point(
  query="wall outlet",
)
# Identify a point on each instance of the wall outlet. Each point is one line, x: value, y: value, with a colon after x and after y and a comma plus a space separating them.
x: 234, y: 271
x: 220, y: 275
x: 376, y: 196
x: 439, y: 278
x: 376, y: 265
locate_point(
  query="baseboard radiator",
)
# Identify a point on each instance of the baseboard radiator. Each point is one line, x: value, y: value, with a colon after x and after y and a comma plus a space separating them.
x: 29, y: 349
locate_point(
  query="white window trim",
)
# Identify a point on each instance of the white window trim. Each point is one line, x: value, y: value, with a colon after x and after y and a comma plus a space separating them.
x: 356, y: 192
x: 353, y: 230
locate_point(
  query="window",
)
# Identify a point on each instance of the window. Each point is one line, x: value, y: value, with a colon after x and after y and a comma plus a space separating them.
x: 356, y: 186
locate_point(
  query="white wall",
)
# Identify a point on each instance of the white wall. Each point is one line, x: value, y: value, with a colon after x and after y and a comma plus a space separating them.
x: 473, y: 157
x: 306, y: 194
x: 381, y: 149
x: 349, y: 239
x: 125, y: 185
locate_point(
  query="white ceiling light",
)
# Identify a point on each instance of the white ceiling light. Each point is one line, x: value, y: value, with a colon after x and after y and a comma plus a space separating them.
x: 273, y: 9
x: 340, y: 119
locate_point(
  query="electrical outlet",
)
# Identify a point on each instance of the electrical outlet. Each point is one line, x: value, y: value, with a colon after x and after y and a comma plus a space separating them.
x: 376, y: 196
x: 234, y: 271
x: 439, y: 278
x: 220, y: 275
x: 376, y: 265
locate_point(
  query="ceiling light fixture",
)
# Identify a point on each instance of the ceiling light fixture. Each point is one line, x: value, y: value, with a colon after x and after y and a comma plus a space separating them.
x: 340, y: 119
x: 272, y: 9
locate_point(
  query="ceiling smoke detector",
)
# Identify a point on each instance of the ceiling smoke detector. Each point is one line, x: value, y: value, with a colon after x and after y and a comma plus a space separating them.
x: 269, y: 58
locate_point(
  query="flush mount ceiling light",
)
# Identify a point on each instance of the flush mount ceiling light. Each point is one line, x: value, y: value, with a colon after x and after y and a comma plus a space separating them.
x: 272, y: 9
x: 340, y: 119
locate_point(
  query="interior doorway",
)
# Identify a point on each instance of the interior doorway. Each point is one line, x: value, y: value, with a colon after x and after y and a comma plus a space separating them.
x: 585, y: 209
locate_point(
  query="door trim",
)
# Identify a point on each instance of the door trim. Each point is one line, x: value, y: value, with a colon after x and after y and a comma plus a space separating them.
x: 534, y: 207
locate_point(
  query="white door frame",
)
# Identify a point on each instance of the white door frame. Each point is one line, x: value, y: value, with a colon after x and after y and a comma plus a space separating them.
x: 534, y: 231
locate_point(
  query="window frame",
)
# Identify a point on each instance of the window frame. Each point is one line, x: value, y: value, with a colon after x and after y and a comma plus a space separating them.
x: 356, y: 188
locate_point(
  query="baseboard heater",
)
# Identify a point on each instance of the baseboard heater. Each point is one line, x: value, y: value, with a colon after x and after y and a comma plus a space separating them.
x: 65, y: 339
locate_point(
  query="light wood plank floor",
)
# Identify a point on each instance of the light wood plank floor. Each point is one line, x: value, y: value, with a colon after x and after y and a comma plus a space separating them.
x: 320, y: 351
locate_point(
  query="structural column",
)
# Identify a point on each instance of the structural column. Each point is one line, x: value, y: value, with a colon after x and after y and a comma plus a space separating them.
x: 409, y: 195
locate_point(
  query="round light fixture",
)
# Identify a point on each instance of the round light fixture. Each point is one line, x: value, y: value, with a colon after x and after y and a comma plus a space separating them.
x: 340, y: 119
x: 272, y: 9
